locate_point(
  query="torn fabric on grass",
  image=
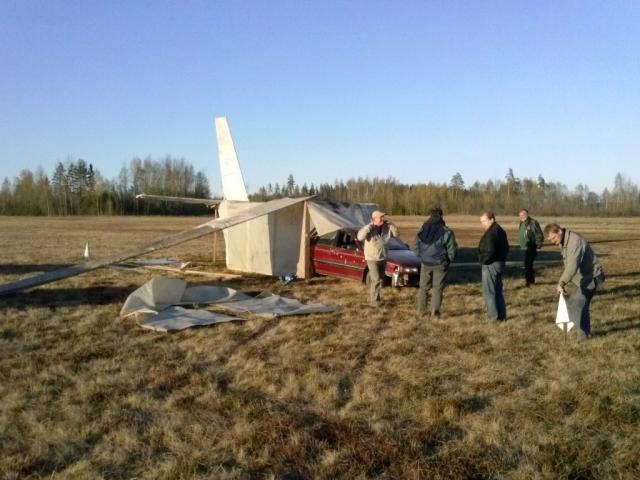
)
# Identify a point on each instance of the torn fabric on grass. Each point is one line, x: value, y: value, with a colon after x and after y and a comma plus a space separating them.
x: 155, y: 304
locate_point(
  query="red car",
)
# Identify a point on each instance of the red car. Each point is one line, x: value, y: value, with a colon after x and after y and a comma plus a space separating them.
x: 340, y: 254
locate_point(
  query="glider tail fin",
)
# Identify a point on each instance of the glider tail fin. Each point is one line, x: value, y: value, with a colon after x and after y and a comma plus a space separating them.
x: 233, y: 187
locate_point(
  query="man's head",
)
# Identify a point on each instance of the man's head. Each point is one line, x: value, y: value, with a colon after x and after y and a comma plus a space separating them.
x: 524, y: 214
x: 436, y: 212
x: 377, y: 218
x: 487, y: 219
x: 553, y: 232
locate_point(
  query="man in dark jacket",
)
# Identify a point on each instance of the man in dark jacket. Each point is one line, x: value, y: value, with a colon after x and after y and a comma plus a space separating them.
x: 492, y: 254
x: 435, y: 245
x: 582, y: 275
x: 530, y: 238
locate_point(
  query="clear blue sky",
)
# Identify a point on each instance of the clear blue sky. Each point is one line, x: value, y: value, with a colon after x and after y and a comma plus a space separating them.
x: 417, y: 90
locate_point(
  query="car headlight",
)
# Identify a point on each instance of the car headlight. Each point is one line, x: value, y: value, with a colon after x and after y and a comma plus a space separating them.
x: 401, y: 269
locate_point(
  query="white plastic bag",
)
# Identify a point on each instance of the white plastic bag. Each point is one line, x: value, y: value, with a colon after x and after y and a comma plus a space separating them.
x: 562, y: 316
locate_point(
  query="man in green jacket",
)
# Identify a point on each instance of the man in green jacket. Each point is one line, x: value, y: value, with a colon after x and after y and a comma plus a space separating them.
x: 530, y: 237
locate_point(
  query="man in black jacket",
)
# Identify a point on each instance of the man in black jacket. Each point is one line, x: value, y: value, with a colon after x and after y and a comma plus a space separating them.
x: 492, y: 254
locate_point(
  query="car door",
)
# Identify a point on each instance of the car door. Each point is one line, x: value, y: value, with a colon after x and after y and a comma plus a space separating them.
x: 351, y: 257
x: 338, y: 255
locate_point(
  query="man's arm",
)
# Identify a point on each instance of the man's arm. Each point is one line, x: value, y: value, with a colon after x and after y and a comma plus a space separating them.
x: 364, y: 232
x: 490, y: 250
x: 451, y: 245
x: 539, y: 236
x: 415, y: 248
x: 571, y: 263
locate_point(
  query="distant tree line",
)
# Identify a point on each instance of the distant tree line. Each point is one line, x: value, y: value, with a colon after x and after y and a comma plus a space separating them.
x: 506, y: 196
x: 77, y: 188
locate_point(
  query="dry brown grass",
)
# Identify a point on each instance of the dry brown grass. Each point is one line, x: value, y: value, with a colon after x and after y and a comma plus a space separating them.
x: 354, y: 394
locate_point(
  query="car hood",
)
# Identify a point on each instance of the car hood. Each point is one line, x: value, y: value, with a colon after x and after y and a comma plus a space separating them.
x: 405, y: 258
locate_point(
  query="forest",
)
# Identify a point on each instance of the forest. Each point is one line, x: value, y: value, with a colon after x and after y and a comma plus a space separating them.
x: 76, y: 187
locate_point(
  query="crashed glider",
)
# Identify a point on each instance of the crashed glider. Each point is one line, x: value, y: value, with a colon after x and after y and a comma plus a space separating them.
x: 269, y: 238
x: 176, y: 239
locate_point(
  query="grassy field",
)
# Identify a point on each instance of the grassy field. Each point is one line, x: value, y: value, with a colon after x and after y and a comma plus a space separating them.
x: 360, y: 393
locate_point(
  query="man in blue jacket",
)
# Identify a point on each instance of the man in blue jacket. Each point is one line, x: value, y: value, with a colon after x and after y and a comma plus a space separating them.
x: 435, y: 245
x: 492, y: 254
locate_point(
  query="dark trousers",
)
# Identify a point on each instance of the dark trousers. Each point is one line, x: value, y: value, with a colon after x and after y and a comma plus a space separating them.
x: 529, y: 256
x: 578, y: 301
x: 492, y: 290
x: 432, y: 280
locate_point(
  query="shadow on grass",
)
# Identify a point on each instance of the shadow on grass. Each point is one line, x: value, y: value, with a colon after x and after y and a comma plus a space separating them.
x: 23, y: 269
x: 615, y: 240
x: 516, y: 254
x: 622, y: 325
x: 625, y: 291
x: 463, y: 274
x: 625, y: 274
x: 60, y: 297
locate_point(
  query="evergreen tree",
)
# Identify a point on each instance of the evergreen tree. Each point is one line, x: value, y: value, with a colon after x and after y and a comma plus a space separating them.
x: 60, y: 190
x: 289, y: 190
x: 457, y: 182
x: 6, y: 207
